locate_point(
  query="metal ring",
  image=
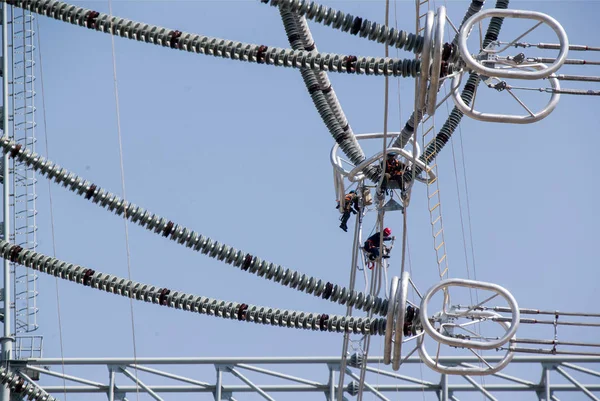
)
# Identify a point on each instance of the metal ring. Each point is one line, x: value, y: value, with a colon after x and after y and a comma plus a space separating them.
x: 425, y: 60
x: 434, y: 79
x: 506, y: 73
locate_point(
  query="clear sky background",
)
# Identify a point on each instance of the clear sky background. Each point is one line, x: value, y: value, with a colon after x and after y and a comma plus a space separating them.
x: 236, y: 151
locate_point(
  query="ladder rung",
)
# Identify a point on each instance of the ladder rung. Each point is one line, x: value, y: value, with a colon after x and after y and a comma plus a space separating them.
x: 438, y: 233
x: 437, y: 248
x: 428, y: 131
x: 430, y: 142
x: 434, y: 193
x: 435, y: 207
x: 445, y: 270
x: 436, y: 220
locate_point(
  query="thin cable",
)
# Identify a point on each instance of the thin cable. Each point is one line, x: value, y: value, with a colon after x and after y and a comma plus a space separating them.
x: 405, y: 243
x: 460, y: 211
x: 380, y: 214
x: 468, y: 206
x: 116, y: 88
x: 43, y: 93
x: 462, y: 152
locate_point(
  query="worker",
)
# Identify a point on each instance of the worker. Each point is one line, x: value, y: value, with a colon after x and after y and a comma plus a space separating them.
x: 394, y: 170
x: 371, y: 245
x: 350, y: 206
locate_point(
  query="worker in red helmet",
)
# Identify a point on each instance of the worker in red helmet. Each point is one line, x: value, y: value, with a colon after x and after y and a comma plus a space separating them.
x: 371, y: 245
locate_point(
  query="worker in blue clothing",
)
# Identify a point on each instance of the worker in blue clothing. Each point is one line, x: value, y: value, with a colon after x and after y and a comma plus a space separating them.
x: 371, y: 245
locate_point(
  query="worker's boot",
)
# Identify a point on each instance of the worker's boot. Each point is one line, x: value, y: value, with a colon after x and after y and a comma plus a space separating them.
x: 384, y: 184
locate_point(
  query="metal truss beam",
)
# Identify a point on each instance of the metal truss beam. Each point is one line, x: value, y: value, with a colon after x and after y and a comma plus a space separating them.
x: 269, y: 377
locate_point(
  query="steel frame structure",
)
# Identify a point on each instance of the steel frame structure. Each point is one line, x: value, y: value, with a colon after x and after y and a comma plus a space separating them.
x: 23, y: 195
x: 555, y: 373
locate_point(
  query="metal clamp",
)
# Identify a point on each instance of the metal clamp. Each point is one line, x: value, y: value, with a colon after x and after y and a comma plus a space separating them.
x: 512, y: 70
x: 444, y: 316
x: 528, y: 118
x: 486, y: 369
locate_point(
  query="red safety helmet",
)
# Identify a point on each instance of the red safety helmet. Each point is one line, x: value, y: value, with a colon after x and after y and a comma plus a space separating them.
x: 387, y: 232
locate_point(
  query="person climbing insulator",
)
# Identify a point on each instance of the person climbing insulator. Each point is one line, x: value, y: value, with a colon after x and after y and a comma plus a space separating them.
x: 350, y: 206
x: 371, y: 245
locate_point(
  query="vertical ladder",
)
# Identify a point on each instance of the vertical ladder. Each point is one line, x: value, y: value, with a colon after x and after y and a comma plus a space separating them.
x: 428, y: 132
x: 23, y: 191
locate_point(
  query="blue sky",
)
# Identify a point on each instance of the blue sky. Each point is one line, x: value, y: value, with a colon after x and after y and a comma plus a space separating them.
x: 237, y: 152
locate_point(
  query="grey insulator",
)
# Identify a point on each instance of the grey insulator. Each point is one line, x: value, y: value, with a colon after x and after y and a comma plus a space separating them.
x: 193, y: 240
x: 474, y: 8
x: 188, y: 302
x: 220, y: 47
x: 21, y: 389
x: 322, y: 93
x: 495, y: 25
x: 467, y: 93
x: 407, y: 130
x: 356, y: 360
x: 353, y: 388
x: 318, y: 85
x: 349, y: 23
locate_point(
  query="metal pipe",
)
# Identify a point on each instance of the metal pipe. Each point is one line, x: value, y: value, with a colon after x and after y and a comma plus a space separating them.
x: 277, y: 374
x: 142, y: 385
x: 169, y: 375
x: 111, y: 386
x: 480, y: 388
x: 367, y: 385
x: 331, y: 384
x: 251, y: 384
x: 353, y: 264
x: 292, y: 360
x: 64, y: 376
x: 444, y: 391
x: 582, y: 369
x: 568, y: 387
x: 218, y: 390
x: 547, y: 383
x: 582, y: 387
x: 6, y: 341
